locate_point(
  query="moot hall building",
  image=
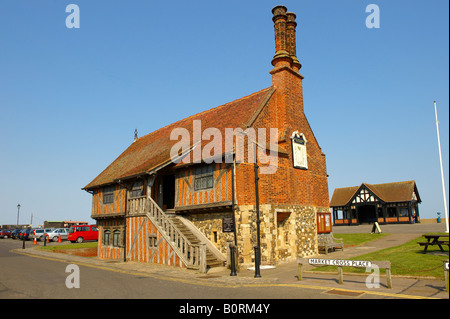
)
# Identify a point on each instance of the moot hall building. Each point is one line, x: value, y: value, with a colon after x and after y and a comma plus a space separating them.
x: 150, y: 208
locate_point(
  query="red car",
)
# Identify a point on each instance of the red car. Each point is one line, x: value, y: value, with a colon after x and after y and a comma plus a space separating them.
x: 5, y: 233
x: 80, y: 233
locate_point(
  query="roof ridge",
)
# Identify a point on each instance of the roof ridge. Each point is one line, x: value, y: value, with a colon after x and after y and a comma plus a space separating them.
x: 364, y: 183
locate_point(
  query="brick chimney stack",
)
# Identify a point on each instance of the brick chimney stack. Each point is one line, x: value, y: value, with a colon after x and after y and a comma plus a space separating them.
x: 285, y: 45
x: 281, y: 57
x: 288, y: 109
x: 290, y: 37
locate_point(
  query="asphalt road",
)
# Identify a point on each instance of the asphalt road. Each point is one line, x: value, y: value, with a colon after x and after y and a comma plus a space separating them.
x: 23, y: 277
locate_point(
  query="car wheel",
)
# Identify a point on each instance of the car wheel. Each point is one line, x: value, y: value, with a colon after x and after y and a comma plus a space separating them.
x: 55, y: 239
x: 79, y: 239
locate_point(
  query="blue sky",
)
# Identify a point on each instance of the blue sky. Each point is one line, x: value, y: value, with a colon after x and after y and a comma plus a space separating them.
x: 70, y: 99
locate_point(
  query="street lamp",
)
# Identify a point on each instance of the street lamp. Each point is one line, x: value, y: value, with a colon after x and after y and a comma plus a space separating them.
x: 18, y: 210
x: 257, y: 248
x: 258, y: 221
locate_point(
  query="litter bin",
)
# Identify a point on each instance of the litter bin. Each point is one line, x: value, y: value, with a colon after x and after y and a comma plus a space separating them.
x: 439, y: 218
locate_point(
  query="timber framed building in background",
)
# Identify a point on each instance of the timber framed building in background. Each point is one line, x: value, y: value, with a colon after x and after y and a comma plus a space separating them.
x: 151, y: 209
x: 389, y: 203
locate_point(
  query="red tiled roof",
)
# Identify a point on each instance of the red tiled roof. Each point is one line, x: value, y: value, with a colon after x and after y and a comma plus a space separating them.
x: 152, y: 150
x: 388, y: 192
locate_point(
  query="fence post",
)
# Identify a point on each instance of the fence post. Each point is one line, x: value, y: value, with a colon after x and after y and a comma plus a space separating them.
x: 203, y: 258
x: 388, y: 275
x: 300, y: 271
x: 341, y: 275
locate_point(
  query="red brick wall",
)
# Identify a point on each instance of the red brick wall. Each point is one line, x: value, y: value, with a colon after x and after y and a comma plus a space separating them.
x: 289, y: 185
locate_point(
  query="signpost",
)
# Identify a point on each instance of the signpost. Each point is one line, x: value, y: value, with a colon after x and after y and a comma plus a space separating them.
x: 339, y: 262
x: 344, y: 263
x: 375, y: 228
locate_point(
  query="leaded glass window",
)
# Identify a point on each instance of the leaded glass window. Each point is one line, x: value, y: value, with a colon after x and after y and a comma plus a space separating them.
x: 204, y: 177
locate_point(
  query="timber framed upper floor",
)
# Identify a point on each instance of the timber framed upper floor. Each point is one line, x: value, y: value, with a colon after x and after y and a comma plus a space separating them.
x: 201, y: 187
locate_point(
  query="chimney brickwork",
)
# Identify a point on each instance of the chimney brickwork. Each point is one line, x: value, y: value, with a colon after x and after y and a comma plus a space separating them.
x: 285, y: 43
x: 290, y: 37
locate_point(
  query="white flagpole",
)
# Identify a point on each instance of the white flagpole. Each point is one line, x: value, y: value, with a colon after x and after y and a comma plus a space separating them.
x: 442, y: 171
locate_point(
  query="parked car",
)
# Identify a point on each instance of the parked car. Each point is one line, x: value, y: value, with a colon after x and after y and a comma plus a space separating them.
x: 39, y: 233
x: 6, y: 233
x: 15, y: 233
x: 80, y: 233
x: 20, y: 233
x: 55, y: 233
x: 26, y: 234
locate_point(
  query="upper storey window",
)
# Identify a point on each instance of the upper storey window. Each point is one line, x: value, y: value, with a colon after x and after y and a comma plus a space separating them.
x: 138, y: 189
x: 203, y: 177
x: 108, y: 195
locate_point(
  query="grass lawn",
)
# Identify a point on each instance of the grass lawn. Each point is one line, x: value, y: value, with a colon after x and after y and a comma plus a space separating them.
x: 92, y: 244
x: 406, y: 259
x: 358, y: 239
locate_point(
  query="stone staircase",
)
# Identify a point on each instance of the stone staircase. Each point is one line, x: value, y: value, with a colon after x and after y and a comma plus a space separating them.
x: 211, y: 260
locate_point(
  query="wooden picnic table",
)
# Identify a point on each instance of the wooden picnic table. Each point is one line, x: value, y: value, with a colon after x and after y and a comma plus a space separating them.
x: 432, y: 240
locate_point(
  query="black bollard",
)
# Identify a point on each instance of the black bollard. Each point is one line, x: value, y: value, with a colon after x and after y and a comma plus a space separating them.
x: 232, y: 260
x: 257, y: 262
x: 23, y: 242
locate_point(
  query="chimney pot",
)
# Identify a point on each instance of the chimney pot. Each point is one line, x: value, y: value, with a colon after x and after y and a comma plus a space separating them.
x: 279, y: 10
x: 291, y: 17
x: 290, y: 39
x: 281, y: 50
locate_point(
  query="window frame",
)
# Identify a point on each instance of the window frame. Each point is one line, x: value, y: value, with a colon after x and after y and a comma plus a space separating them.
x: 106, y: 239
x: 152, y: 241
x: 108, y: 195
x: 116, y: 235
x: 204, y: 177
x: 137, y: 190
